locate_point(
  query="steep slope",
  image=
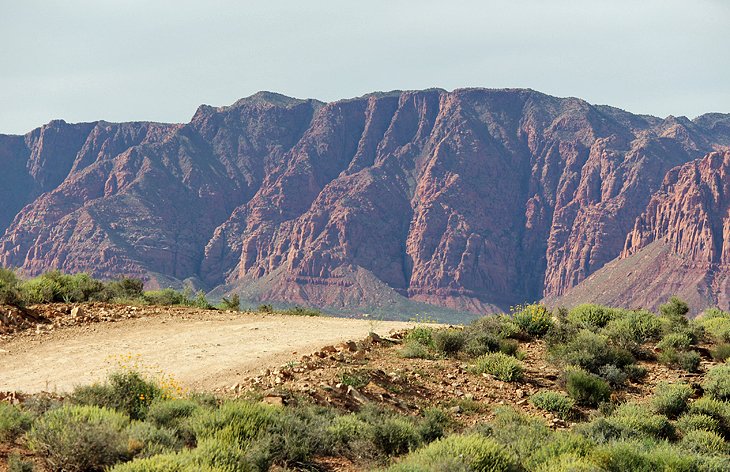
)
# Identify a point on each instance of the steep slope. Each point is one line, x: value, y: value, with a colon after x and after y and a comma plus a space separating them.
x: 473, y: 200
x: 679, y: 245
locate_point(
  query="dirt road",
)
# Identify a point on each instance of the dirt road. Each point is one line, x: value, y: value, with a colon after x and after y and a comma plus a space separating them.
x: 202, y: 350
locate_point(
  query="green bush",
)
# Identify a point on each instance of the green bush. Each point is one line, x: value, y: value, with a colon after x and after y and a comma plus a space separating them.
x: 345, y: 429
x: 232, y: 303
x: 509, y: 346
x: 704, y: 442
x: 422, y: 335
x: 591, y: 351
x: 693, y: 421
x: 165, y: 297
x: 123, y: 289
x: 9, y: 288
x: 721, y: 352
x: 533, y: 320
x: 301, y: 311
x: 713, y: 408
x: 13, y: 422
x: 717, y: 382
x: 449, y: 341
x: 58, y: 287
x: 395, y: 436
x: 634, y: 420
x: 16, y: 463
x: 519, y: 434
x: 472, y: 452
x: 592, y: 316
x: 171, y: 413
x: 586, y: 388
x: 478, y: 344
x: 501, y: 366
x: 146, y: 440
x: 414, y: 350
x: 235, y: 422
x: 671, y: 399
x: 716, y: 323
x: 675, y: 310
x: 615, y: 377
x: 433, y: 425
x: 685, y: 360
x: 632, y: 456
x: 125, y: 391
x: 80, y: 438
x: 568, y: 463
x: 560, y: 444
x: 631, y: 329
x: 678, y: 341
x: 554, y: 402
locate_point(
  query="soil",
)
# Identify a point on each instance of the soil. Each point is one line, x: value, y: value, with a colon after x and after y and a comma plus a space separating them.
x: 200, y: 349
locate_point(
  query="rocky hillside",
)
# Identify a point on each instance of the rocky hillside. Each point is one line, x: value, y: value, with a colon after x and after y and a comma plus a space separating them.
x: 472, y: 200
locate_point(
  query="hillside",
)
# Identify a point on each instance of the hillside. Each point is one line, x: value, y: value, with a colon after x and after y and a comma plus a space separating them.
x: 471, y: 200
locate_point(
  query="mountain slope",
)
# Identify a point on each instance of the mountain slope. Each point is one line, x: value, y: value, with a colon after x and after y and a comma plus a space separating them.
x: 473, y: 200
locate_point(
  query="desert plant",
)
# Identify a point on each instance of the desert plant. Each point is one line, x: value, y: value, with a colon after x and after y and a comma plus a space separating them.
x: 17, y: 463
x: 591, y: 351
x: 126, y: 391
x: 713, y: 408
x: 631, y: 328
x: 395, y: 436
x: 415, y: 350
x: 232, y: 303
x: 717, y: 382
x: 501, y: 366
x: 721, y: 352
x: 9, y: 288
x: 586, y: 388
x: 13, y: 422
x: 301, y: 311
x: 692, y: 421
x: 675, y: 310
x: 704, y: 442
x: 679, y: 341
x: 458, y: 452
x: 422, y: 335
x: 554, y: 402
x: 671, y: 399
x: 615, y: 377
x: 479, y: 343
x: 591, y: 316
x: 685, y: 360
x: 235, y: 422
x: 449, y: 341
x: 165, y: 297
x: 632, y: 420
x: 533, y: 320
x: 146, y: 440
x: 80, y: 438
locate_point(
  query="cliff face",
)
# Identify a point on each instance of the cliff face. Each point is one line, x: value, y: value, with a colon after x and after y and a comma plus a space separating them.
x: 473, y: 199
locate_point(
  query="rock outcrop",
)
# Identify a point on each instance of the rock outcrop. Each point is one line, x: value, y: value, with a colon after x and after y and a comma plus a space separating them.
x: 473, y: 200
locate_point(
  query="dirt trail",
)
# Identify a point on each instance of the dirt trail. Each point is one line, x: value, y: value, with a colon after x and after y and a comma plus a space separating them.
x: 202, y: 350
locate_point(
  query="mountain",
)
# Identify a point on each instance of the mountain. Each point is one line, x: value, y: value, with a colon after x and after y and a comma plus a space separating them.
x: 471, y: 200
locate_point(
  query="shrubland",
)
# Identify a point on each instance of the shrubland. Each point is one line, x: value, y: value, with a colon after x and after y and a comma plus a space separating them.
x: 602, y: 356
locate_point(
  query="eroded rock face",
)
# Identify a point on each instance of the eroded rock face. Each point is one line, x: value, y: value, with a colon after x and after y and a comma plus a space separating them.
x: 473, y: 199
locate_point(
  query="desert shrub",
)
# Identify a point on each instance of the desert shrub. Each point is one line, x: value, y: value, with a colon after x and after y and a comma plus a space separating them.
x: 533, y: 320
x: 554, y: 402
x: 713, y: 408
x: 568, y: 463
x: 345, y: 429
x: 13, y: 422
x: 171, y: 413
x: 433, y: 424
x: 472, y: 452
x: 499, y: 326
x: 592, y: 316
x: 615, y: 377
x: 55, y: 286
x: 355, y: 378
x: 716, y: 323
x: 165, y: 297
x: 559, y: 444
x: 509, y: 346
x: 301, y: 311
x: 631, y: 329
x: 520, y: 434
x: 721, y: 352
x: 717, y: 382
x: 414, y: 350
x: 704, y: 442
x: 16, y: 463
x: 235, y: 422
x: 449, y: 341
x: 675, y: 310
x: 591, y: 351
x: 123, y: 289
x: 501, y: 366
x: 586, y: 388
x: 692, y: 421
x: 233, y: 303
x: 297, y: 434
x: 125, y: 391
x: 642, y: 457
x: 478, y: 344
x: 685, y: 360
x: 146, y: 440
x: 80, y: 438
x: 9, y: 288
x: 265, y: 308
x: 395, y: 436
x: 679, y: 341
x: 634, y: 420
x: 422, y: 335
x: 671, y: 399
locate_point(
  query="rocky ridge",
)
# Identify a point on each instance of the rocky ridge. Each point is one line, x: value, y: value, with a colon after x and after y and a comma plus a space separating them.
x: 473, y: 200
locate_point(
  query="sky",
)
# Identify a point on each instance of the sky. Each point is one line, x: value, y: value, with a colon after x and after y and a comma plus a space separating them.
x: 158, y: 60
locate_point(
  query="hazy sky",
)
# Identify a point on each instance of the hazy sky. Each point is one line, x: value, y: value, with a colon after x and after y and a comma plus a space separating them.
x: 84, y: 60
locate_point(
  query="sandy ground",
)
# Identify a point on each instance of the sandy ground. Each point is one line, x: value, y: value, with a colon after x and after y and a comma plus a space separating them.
x: 201, y: 351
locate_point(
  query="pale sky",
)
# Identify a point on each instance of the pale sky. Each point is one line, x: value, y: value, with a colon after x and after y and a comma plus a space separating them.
x: 157, y: 60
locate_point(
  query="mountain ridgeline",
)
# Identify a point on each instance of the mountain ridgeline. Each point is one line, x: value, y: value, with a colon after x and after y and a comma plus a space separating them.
x: 471, y: 200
